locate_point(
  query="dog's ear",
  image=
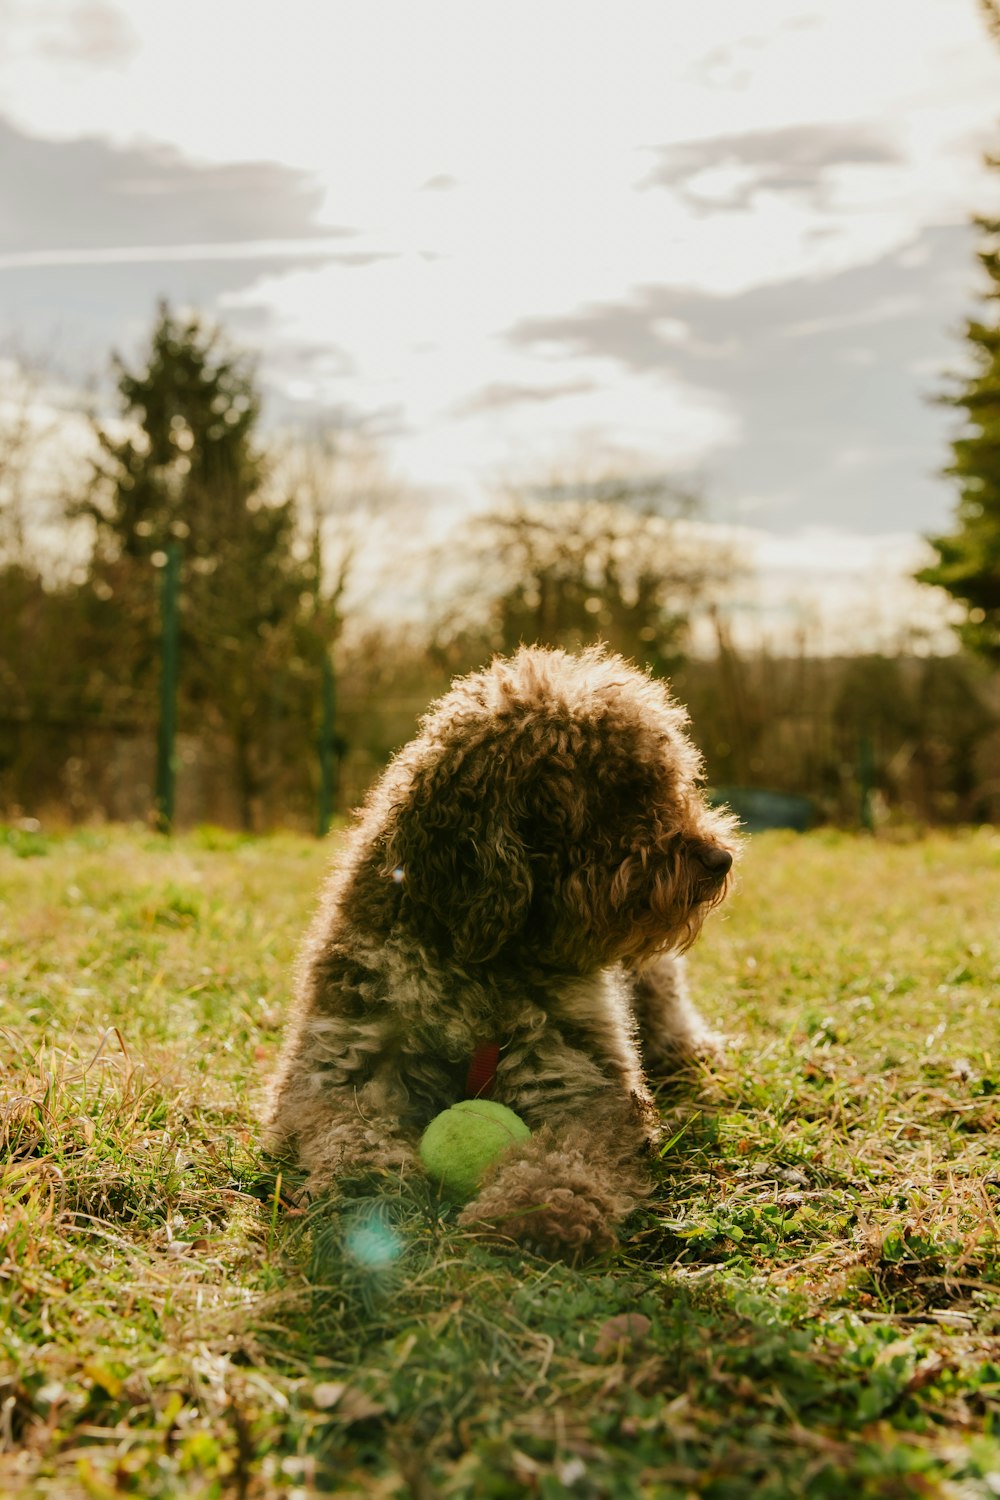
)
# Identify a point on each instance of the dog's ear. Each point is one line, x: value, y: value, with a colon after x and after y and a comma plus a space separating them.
x: 455, y: 848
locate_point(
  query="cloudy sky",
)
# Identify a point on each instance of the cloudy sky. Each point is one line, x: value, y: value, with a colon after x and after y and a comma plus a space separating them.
x: 722, y: 240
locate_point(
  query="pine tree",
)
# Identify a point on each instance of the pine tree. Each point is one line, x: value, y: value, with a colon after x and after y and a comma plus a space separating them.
x: 183, y: 465
x: 968, y: 565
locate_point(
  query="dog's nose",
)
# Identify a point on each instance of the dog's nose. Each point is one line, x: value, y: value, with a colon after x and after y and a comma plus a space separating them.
x: 717, y: 861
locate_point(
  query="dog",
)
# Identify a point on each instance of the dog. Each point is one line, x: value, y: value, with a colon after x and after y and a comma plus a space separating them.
x: 508, y: 918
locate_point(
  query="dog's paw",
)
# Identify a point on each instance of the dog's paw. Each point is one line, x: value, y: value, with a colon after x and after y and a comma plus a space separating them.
x: 555, y: 1202
x: 557, y: 1223
x: 686, y: 1052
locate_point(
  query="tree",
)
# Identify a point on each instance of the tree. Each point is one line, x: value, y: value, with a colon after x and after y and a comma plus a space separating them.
x: 183, y: 464
x: 41, y: 424
x: 18, y: 450
x: 599, y: 563
x: 968, y: 564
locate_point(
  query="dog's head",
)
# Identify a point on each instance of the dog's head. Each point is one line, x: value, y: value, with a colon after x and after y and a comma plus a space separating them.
x: 551, y: 810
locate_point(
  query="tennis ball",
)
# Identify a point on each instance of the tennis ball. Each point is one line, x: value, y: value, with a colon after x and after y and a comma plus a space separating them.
x: 460, y: 1143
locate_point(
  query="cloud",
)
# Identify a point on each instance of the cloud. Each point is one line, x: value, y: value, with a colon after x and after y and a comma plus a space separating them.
x: 76, y: 314
x: 818, y: 372
x: 502, y: 394
x: 85, y: 194
x: 728, y: 66
x: 727, y: 172
x: 294, y: 251
x: 92, y: 32
x: 92, y: 235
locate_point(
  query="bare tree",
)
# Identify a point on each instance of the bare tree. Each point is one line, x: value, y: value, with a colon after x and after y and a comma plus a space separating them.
x: 613, y: 559
x: 341, y: 491
x: 31, y: 455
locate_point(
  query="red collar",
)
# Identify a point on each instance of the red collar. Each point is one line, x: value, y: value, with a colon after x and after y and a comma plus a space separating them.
x: 482, y: 1071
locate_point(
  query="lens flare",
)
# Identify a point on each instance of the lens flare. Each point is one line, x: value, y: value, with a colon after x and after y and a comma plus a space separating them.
x: 371, y: 1242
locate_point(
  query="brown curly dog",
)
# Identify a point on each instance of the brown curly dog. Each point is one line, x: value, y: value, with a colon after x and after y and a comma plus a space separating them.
x: 506, y: 919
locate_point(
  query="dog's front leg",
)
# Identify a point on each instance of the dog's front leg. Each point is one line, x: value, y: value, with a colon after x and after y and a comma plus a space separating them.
x: 672, y: 1032
x: 339, y: 1102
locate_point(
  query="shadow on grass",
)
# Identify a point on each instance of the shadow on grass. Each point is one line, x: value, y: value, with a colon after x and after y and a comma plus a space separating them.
x: 437, y: 1366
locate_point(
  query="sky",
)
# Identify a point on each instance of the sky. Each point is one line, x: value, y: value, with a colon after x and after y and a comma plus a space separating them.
x: 728, y: 243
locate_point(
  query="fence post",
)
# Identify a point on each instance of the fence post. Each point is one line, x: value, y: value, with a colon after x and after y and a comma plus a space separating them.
x: 326, y: 750
x: 866, y: 780
x: 169, y: 652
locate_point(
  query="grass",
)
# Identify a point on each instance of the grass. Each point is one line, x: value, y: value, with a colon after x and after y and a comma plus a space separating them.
x: 810, y: 1304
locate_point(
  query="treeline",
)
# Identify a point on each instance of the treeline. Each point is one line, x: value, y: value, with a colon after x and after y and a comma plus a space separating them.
x: 918, y: 735
x: 273, y: 535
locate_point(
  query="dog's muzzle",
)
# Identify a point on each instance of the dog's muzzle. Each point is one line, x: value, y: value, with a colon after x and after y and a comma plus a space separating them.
x: 715, y: 860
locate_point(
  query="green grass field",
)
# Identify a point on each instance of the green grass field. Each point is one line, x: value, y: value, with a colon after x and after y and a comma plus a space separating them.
x: 809, y: 1305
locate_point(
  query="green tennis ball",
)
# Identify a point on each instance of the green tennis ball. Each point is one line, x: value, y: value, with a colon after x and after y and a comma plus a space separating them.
x: 460, y: 1143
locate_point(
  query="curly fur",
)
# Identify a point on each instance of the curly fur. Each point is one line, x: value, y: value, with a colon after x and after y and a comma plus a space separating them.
x: 528, y: 869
